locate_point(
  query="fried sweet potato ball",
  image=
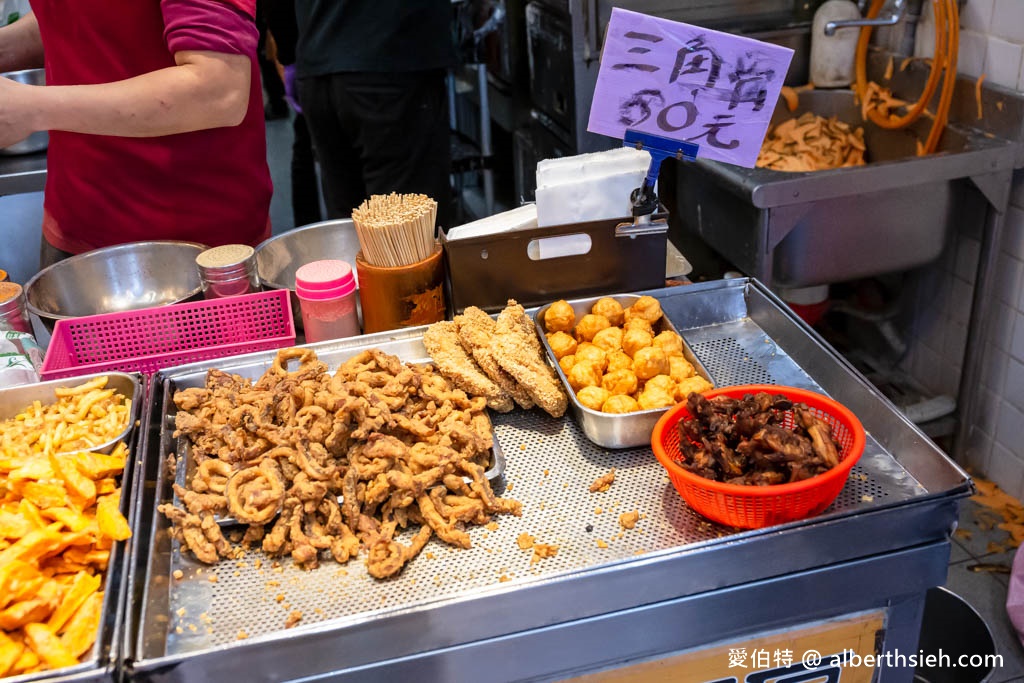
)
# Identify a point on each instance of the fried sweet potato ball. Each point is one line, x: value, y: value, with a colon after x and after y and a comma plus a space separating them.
x: 659, y: 392
x: 696, y: 384
x: 609, y: 338
x: 609, y: 308
x: 562, y: 344
x: 584, y: 374
x: 566, y: 363
x: 592, y: 354
x: 679, y: 368
x: 620, y: 382
x: 670, y: 342
x: 646, y: 307
x: 634, y: 340
x: 559, y: 317
x: 620, y: 403
x: 650, y: 361
x: 593, y: 397
x: 638, y: 323
x: 589, y: 325
x: 618, y: 360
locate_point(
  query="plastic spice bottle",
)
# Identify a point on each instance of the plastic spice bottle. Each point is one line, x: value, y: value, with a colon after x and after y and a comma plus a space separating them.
x: 228, y: 270
x: 327, y: 297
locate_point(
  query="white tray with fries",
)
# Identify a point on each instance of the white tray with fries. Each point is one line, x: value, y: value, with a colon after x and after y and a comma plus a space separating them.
x: 66, y: 458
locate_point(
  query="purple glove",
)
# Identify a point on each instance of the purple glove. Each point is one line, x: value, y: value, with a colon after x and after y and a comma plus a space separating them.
x: 291, y: 90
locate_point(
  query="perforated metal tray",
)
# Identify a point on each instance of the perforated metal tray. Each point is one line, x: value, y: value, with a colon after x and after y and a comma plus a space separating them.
x: 447, y: 596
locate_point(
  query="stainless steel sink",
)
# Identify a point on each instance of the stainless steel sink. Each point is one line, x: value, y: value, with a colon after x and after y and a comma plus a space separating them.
x: 802, y: 229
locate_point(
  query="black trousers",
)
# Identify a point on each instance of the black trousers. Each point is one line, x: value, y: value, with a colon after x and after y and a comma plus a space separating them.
x: 379, y: 133
x: 271, y: 79
x: 305, y: 189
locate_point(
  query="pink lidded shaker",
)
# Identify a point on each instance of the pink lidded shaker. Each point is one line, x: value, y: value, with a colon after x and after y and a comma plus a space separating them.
x: 327, y: 297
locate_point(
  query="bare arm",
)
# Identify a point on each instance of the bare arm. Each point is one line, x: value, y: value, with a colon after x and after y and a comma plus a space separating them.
x: 20, y: 45
x: 204, y: 90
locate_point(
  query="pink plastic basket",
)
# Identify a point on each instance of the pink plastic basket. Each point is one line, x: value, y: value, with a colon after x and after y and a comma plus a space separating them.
x: 149, y: 339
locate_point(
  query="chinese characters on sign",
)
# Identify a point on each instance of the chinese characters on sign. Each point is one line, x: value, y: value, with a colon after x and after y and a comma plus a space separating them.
x: 688, y: 83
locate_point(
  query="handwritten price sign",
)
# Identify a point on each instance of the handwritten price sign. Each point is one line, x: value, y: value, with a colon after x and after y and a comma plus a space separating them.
x: 688, y: 83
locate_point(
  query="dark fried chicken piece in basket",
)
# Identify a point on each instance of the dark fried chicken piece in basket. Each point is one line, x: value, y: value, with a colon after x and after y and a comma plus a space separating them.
x: 745, y: 441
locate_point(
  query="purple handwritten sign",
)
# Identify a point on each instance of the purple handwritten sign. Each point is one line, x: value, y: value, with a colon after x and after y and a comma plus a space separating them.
x: 684, y: 82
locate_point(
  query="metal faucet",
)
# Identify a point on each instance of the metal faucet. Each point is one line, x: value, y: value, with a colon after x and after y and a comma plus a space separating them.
x: 898, y: 8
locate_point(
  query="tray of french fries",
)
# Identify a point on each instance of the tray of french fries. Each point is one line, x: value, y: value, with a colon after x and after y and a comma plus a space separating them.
x: 66, y: 457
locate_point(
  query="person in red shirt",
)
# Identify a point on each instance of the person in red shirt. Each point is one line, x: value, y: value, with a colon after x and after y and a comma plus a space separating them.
x: 155, y: 114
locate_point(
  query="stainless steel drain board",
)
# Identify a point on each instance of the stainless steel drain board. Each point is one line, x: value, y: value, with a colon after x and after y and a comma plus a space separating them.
x: 549, y: 467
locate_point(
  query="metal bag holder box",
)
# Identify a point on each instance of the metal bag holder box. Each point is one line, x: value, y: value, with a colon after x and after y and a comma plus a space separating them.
x: 623, y: 256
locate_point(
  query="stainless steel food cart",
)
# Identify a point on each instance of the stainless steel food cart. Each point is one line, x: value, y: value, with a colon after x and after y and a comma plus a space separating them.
x: 674, y: 583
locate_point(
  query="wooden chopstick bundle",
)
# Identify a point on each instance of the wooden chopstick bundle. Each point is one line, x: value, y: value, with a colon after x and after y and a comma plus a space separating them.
x: 396, y: 229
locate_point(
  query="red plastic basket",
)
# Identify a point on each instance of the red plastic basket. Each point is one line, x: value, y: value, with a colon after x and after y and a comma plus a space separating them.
x: 752, y: 507
x: 149, y: 339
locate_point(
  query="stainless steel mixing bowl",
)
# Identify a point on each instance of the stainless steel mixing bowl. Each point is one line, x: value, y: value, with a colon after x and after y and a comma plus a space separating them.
x: 279, y: 257
x: 114, y: 279
x: 38, y: 141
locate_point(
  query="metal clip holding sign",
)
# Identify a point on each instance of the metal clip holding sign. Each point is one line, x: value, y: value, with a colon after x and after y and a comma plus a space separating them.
x: 644, y: 200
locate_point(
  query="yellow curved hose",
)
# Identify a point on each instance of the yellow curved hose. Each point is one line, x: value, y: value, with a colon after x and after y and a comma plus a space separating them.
x: 947, y: 38
x: 946, y: 98
x: 892, y: 121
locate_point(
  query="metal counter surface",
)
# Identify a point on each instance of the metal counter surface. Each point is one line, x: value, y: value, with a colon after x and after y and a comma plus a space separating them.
x: 889, y: 528
x: 22, y: 173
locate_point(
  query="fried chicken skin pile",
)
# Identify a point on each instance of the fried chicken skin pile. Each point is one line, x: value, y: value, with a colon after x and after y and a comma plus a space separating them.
x: 315, y: 463
x: 745, y: 441
x: 502, y: 359
x: 620, y: 364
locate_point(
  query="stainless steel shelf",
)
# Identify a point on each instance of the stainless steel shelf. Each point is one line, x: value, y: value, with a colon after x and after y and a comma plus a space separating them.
x: 24, y: 173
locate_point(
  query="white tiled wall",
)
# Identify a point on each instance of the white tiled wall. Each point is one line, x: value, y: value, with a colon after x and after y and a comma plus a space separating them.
x: 996, y: 446
x: 991, y: 43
